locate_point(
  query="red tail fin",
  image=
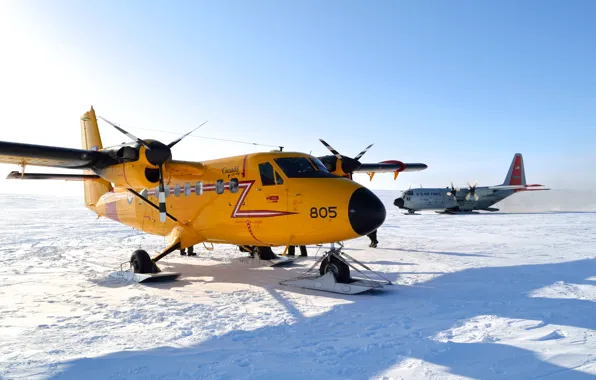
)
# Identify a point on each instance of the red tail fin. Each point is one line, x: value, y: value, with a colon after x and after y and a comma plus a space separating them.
x: 516, y: 174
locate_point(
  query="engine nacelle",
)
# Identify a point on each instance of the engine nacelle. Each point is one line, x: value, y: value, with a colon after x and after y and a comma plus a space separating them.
x: 135, y: 175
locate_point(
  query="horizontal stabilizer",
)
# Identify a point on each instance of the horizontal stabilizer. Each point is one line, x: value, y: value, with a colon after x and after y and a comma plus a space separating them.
x: 533, y: 189
x: 518, y: 187
x: 64, y: 177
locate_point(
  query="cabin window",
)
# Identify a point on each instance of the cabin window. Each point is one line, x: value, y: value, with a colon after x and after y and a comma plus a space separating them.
x: 234, y: 185
x: 167, y: 190
x: 199, y: 188
x: 267, y: 176
x: 177, y: 190
x: 187, y: 189
x: 278, y: 179
x: 220, y: 186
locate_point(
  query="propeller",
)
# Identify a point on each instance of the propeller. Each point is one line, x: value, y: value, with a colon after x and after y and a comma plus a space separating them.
x: 472, y: 191
x: 348, y: 164
x: 453, y: 191
x: 157, y: 153
x: 359, y: 156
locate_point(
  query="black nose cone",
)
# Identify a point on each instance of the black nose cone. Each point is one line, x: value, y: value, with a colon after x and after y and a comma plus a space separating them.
x: 399, y: 202
x: 366, y: 211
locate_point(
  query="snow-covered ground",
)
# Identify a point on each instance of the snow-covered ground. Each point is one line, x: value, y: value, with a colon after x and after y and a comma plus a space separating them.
x: 504, y: 296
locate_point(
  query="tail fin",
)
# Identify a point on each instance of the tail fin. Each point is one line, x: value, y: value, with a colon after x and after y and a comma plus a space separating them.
x: 91, y: 140
x: 516, y: 174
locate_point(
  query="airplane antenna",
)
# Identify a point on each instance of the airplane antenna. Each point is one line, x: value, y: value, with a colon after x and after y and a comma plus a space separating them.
x: 207, y: 138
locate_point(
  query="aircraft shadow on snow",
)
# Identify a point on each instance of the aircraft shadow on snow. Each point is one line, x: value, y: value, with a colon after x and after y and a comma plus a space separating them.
x: 376, y: 331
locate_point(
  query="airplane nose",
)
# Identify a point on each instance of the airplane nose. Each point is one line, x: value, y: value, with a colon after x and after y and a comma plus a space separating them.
x: 366, y: 211
x: 399, y: 202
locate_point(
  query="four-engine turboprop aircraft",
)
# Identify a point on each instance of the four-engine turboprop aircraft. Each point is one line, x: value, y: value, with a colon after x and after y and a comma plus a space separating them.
x: 261, y: 199
x: 453, y: 200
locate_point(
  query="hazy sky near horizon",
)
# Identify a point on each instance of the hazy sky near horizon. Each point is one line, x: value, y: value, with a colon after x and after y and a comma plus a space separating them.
x: 460, y: 86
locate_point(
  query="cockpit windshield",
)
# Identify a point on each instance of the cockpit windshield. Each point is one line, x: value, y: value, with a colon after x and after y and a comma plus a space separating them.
x: 301, y: 167
x: 320, y: 166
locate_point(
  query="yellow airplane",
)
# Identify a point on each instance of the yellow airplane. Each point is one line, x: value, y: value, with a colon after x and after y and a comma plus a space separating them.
x: 262, y: 199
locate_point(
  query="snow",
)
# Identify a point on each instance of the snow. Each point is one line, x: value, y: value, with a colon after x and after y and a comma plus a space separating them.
x: 490, y: 296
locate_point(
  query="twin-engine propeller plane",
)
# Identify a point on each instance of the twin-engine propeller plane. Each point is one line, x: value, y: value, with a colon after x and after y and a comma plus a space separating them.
x: 452, y: 200
x: 261, y: 199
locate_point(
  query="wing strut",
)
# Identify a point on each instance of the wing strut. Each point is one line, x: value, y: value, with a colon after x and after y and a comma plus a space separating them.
x: 152, y: 204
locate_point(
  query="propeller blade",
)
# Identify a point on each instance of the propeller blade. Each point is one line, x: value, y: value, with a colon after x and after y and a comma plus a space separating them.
x: 362, y: 153
x: 467, y: 196
x: 162, y: 197
x: 476, y: 197
x: 335, y: 152
x: 129, y: 135
x: 183, y: 136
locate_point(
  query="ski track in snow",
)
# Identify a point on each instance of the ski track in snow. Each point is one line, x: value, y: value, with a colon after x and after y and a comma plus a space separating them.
x: 491, y: 296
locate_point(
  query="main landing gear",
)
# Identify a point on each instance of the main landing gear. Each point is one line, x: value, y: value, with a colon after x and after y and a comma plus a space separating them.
x: 143, y: 267
x: 334, y: 275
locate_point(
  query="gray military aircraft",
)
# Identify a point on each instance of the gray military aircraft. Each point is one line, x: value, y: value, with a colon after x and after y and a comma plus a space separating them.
x: 451, y: 200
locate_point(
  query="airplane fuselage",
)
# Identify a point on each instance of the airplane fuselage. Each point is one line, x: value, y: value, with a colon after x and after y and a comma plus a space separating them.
x: 255, y: 199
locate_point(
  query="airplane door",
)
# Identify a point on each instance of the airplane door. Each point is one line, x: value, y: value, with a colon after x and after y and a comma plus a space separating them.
x: 274, y: 196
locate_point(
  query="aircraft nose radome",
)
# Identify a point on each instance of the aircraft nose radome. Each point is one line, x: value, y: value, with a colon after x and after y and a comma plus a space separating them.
x: 399, y: 202
x: 366, y: 211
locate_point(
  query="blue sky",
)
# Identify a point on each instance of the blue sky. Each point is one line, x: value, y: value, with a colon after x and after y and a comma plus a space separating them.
x: 459, y: 85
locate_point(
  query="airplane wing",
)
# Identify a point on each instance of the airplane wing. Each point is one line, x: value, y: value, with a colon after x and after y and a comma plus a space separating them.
x: 65, y: 177
x: 51, y: 156
x: 390, y: 167
x: 41, y: 155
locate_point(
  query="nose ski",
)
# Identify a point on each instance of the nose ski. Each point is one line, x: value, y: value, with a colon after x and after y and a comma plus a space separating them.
x: 334, y: 275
